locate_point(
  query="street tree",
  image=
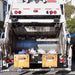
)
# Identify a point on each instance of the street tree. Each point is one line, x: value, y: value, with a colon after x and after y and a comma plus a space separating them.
x: 69, y: 9
x: 71, y: 25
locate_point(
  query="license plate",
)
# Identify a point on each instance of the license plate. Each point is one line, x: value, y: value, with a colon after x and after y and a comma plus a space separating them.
x: 21, y: 60
x: 49, y: 59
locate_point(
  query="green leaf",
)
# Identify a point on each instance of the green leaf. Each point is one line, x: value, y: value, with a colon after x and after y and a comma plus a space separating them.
x: 69, y: 9
x: 71, y: 25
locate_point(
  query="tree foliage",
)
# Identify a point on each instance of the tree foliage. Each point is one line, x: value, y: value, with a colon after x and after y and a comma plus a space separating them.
x: 69, y: 9
x: 71, y: 25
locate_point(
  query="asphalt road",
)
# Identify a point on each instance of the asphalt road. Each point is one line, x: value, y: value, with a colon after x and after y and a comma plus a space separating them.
x: 39, y: 73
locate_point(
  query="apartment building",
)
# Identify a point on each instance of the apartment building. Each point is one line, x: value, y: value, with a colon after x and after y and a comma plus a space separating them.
x: 67, y: 2
x: 3, y: 7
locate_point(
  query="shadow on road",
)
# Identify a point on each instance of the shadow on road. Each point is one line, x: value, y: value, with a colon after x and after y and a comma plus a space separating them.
x: 73, y: 63
x: 24, y: 73
x: 62, y: 72
x: 43, y: 72
x: 35, y: 73
x: 73, y: 59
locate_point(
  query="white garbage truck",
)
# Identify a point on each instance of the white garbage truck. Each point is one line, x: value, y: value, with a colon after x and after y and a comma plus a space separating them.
x: 36, y: 36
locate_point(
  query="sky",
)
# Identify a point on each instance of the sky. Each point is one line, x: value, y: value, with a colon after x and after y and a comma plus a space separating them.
x: 5, y: 0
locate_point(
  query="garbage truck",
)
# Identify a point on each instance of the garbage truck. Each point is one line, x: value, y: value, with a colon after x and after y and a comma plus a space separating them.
x: 36, y: 36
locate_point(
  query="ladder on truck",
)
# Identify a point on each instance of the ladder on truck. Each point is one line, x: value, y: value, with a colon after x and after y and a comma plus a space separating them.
x: 1, y: 43
x: 0, y: 58
x: 5, y: 40
x: 7, y: 26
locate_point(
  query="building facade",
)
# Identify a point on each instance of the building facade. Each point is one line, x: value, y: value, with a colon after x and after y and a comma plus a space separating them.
x: 73, y: 2
x: 3, y: 6
x: 67, y: 2
x: 70, y: 2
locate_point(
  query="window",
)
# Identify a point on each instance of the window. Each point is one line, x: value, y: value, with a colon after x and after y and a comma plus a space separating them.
x: 5, y: 8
